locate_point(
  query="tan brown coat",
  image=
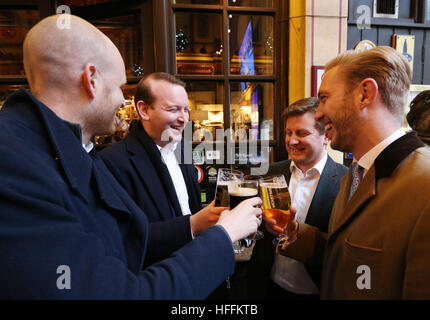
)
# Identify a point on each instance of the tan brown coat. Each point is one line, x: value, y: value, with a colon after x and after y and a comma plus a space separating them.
x: 385, y: 226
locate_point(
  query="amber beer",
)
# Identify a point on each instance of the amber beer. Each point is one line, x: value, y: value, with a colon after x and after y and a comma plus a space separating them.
x: 276, y: 203
x: 280, y: 216
x: 240, y: 194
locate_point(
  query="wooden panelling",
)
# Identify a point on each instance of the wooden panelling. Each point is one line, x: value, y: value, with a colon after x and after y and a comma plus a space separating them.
x: 381, y: 32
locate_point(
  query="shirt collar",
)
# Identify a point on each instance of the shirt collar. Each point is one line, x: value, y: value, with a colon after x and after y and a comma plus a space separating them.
x: 168, y: 148
x: 77, y: 130
x: 88, y: 147
x: 319, y: 166
x: 368, y: 159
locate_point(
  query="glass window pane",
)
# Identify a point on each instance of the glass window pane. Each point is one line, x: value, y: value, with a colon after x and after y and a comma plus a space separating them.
x: 206, y: 99
x: 252, y: 110
x: 427, y: 11
x: 199, y: 43
x: 14, y: 25
x: 251, y: 3
x: 251, y: 45
x: 125, y: 33
x: 197, y: 1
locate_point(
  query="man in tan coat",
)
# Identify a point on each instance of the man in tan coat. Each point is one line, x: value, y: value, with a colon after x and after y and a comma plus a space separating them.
x: 378, y: 241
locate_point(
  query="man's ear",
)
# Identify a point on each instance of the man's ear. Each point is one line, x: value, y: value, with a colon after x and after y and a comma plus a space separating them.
x: 142, y: 109
x: 88, y: 79
x: 326, y: 140
x: 368, y: 92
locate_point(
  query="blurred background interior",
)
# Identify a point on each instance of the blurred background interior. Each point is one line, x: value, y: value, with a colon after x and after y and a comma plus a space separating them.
x: 243, y: 61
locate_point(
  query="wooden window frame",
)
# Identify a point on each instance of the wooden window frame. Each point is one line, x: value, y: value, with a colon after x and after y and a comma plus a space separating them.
x: 279, y: 77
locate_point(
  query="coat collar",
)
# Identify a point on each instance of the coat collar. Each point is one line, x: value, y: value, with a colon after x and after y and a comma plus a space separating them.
x: 391, y: 157
x: 141, y: 147
x: 63, y: 142
x: 383, y: 167
x: 326, y: 183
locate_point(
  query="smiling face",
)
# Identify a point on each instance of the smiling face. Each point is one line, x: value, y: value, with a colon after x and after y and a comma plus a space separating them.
x: 165, y: 119
x: 305, y: 144
x: 338, y: 111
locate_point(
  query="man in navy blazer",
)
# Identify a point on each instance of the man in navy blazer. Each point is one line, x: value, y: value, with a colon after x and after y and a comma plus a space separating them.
x: 68, y: 230
x: 145, y: 163
x: 314, y: 187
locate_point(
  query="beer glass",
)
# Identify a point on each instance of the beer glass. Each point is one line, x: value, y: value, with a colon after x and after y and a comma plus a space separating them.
x: 241, y: 190
x: 225, y: 175
x: 276, y: 204
x: 224, y: 178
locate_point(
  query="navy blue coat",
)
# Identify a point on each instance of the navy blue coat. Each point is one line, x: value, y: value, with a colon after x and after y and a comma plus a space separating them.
x: 60, y: 206
x: 137, y: 164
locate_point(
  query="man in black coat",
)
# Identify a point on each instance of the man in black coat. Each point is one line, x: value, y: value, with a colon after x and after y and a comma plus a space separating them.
x: 313, y: 179
x: 145, y: 162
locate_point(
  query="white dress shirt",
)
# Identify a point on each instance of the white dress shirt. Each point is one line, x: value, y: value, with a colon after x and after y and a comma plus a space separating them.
x: 88, y: 147
x: 168, y: 156
x: 289, y: 273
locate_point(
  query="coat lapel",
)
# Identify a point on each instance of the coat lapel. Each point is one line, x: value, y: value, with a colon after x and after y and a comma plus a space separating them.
x: 106, y: 186
x: 154, y: 172
x: 323, y: 190
x: 79, y: 168
x: 287, y: 172
x: 384, y: 165
x: 149, y: 177
x: 350, y: 209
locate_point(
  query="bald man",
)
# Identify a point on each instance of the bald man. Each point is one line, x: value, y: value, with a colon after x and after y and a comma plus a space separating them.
x: 68, y: 230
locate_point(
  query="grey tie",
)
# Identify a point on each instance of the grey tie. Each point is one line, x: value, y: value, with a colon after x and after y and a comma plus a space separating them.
x: 357, y: 175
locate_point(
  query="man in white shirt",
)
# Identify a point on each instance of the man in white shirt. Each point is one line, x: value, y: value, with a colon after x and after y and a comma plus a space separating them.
x: 313, y: 180
x: 146, y: 165
x: 378, y: 237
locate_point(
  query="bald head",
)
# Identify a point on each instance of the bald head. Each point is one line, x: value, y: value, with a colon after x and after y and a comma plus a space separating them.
x: 77, y: 72
x: 55, y: 57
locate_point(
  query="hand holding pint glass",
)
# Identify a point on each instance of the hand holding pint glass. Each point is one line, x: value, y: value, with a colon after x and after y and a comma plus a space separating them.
x: 276, y: 206
x: 242, y: 190
x: 231, y: 191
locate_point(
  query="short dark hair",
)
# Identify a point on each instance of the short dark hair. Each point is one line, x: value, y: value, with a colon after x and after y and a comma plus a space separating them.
x: 143, y: 90
x: 303, y: 106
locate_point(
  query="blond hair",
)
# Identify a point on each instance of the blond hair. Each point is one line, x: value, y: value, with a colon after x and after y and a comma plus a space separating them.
x: 386, y: 66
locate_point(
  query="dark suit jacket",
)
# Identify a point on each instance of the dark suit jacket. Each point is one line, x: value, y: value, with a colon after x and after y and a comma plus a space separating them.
x: 60, y: 207
x: 137, y: 164
x: 318, y: 215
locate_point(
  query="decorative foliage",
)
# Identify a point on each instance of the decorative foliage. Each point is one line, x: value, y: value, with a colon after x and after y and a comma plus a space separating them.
x: 269, y: 43
x: 181, y: 40
x: 137, y: 70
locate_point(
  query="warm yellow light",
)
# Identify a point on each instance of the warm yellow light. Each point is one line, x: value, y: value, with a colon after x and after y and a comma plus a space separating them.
x: 246, y: 109
x: 216, y: 116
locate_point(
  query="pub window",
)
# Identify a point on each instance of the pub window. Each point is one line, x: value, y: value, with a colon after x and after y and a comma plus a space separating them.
x: 226, y: 56
x: 427, y: 11
x: 386, y: 9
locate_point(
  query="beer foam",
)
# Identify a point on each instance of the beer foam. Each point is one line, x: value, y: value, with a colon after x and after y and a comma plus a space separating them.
x: 244, y: 192
x: 271, y: 185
